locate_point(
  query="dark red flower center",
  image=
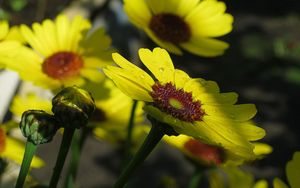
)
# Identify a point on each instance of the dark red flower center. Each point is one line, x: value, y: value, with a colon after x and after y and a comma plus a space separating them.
x: 2, y: 140
x: 170, y: 28
x: 205, y: 153
x: 176, y: 102
x: 62, y: 65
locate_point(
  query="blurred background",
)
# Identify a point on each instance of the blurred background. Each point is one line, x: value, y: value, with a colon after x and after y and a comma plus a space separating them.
x: 262, y: 65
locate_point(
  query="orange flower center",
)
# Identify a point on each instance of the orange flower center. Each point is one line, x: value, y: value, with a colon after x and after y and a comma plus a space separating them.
x: 176, y: 102
x: 2, y: 140
x: 62, y: 65
x: 205, y: 153
x: 170, y: 28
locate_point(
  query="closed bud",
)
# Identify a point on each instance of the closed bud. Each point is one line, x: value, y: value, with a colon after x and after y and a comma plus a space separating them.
x: 38, y: 126
x: 73, y: 106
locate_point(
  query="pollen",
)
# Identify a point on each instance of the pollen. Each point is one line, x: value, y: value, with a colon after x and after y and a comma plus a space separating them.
x: 170, y: 28
x: 62, y: 65
x: 206, y: 153
x: 176, y: 102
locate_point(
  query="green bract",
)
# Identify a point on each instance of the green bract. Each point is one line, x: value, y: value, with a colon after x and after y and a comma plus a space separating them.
x: 38, y: 126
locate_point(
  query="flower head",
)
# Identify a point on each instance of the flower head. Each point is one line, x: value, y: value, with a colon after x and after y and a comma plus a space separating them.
x: 192, y: 106
x: 175, y: 24
x: 63, y: 53
x: 73, y: 106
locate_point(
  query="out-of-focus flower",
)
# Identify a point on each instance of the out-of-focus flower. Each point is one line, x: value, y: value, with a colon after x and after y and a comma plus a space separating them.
x: 111, y: 117
x: 209, y: 155
x: 30, y: 101
x: 292, y: 173
x: 13, y: 149
x: 192, y: 106
x: 235, y: 178
x: 63, y: 53
x: 188, y: 24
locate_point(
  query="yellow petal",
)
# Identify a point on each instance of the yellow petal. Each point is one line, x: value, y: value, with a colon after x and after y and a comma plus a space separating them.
x: 180, y: 78
x: 292, y: 170
x: 262, y: 149
x: 252, y: 132
x: 241, y: 112
x: 164, y: 44
x: 166, y: 6
x: 129, y: 87
x: 92, y: 74
x: 4, y: 29
x: 217, y: 98
x: 199, y: 86
x: 205, y: 46
x: 261, y: 184
x: 186, y: 6
x: 138, y: 12
x: 277, y: 183
x: 14, y: 150
x: 159, y: 63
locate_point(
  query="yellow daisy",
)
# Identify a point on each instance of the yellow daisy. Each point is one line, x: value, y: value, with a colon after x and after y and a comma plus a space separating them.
x: 63, y: 53
x: 13, y: 149
x: 210, y: 155
x: 111, y: 117
x: 187, y: 24
x: 192, y: 106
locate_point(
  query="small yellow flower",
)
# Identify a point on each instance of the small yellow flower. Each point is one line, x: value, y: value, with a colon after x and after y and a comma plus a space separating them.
x: 192, y: 106
x: 62, y: 54
x: 187, y: 24
x: 13, y: 149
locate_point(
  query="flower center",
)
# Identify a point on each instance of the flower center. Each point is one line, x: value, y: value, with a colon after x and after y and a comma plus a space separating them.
x: 2, y: 140
x: 170, y: 28
x: 176, y: 102
x: 206, y: 153
x: 62, y: 65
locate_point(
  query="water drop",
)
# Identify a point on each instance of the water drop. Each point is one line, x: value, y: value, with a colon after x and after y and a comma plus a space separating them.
x: 161, y: 69
x: 142, y: 76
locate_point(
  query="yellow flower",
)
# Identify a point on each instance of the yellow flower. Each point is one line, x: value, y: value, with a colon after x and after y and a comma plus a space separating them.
x: 187, y: 24
x: 192, y: 106
x: 13, y: 149
x: 210, y: 155
x: 113, y: 108
x: 63, y: 53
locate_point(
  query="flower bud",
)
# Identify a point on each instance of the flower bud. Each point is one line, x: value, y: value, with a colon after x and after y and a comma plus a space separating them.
x: 38, y: 126
x: 73, y: 106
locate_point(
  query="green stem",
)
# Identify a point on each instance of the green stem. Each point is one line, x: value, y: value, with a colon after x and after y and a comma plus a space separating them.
x: 76, y: 147
x: 63, y: 151
x: 154, y: 136
x: 196, y: 178
x: 30, y: 149
x: 130, y: 131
